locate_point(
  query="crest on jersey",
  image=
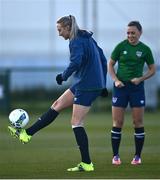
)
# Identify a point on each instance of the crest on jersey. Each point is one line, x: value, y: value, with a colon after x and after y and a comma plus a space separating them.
x: 139, y: 53
x: 124, y: 52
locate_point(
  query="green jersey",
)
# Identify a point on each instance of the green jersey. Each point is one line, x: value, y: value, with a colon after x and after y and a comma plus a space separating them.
x: 131, y: 59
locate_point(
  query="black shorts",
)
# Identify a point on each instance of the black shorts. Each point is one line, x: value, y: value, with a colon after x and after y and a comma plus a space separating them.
x: 130, y: 93
x: 84, y: 98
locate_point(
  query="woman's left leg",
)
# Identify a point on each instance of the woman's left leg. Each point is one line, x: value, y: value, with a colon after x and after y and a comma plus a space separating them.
x: 78, y: 116
x: 139, y: 135
x: 81, y: 106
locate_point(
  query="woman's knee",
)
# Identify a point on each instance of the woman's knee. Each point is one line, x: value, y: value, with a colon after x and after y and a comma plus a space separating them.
x: 56, y: 105
x: 77, y: 123
x: 118, y: 123
x: 138, y: 122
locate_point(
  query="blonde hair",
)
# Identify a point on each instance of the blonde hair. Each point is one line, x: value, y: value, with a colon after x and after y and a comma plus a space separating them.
x: 71, y: 22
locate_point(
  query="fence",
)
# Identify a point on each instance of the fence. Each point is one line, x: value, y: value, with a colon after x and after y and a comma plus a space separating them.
x: 22, y: 79
x: 4, y: 90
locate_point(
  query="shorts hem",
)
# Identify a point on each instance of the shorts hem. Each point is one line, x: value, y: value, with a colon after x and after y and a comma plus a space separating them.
x: 82, y: 104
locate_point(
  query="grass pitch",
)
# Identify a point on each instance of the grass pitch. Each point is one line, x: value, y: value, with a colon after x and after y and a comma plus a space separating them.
x: 53, y: 150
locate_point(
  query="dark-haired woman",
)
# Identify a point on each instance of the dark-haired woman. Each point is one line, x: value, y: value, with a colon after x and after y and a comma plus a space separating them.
x: 131, y: 55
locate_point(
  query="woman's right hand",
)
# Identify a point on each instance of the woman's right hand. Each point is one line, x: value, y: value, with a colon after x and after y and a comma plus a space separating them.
x: 119, y: 84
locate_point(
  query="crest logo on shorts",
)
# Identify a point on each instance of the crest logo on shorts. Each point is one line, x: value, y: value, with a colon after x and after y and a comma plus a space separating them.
x: 75, y: 99
x: 114, y: 99
x: 139, y: 53
x: 142, y: 101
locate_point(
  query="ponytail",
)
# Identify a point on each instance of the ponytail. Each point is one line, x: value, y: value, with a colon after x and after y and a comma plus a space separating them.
x: 74, y: 28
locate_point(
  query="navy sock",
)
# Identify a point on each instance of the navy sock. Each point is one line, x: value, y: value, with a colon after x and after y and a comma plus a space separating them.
x: 43, y: 121
x: 115, y: 140
x: 139, y: 137
x: 82, y: 141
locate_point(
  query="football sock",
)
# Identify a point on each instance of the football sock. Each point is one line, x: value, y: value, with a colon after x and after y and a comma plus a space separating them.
x: 43, y: 121
x: 139, y: 137
x: 115, y: 140
x: 82, y: 141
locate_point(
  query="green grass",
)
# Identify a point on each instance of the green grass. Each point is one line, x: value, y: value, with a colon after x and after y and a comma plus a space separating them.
x: 53, y: 150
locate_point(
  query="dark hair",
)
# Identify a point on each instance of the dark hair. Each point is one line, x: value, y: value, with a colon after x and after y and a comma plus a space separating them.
x: 137, y: 24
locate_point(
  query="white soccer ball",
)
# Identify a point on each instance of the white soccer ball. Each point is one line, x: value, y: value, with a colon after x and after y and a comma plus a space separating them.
x: 19, y: 118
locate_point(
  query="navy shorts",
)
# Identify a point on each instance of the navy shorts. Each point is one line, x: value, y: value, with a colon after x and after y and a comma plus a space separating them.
x: 130, y: 93
x: 84, y: 98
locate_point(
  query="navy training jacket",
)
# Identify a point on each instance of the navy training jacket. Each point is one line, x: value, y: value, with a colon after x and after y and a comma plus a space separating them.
x: 87, y: 62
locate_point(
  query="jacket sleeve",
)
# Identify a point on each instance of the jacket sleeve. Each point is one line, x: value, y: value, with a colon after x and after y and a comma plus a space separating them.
x: 76, y: 56
x: 103, y: 59
x: 104, y: 62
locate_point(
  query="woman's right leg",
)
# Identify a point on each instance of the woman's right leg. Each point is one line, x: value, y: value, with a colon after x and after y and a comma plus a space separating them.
x: 64, y: 101
x: 118, y: 119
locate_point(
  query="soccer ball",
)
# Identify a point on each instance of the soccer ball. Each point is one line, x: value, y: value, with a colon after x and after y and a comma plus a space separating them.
x: 19, y: 118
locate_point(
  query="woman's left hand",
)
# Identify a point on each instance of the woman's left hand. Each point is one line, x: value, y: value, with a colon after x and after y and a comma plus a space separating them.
x: 59, y: 79
x: 136, y: 81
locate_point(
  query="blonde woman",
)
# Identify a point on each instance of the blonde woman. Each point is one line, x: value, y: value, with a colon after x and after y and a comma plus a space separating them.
x: 86, y: 61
